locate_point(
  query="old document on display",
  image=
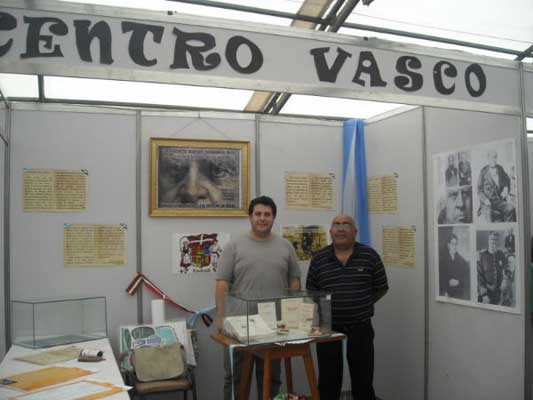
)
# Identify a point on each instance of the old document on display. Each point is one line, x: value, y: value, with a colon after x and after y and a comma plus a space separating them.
x: 55, y: 189
x: 309, y: 191
x: 383, y: 194
x: 399, y: 246
x: 94, y: 244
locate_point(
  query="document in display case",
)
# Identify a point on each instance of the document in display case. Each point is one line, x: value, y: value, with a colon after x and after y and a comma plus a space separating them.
x: 283, y: 316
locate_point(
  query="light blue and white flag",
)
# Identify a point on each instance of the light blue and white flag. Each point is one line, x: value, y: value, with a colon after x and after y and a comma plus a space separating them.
x: 354, y: 189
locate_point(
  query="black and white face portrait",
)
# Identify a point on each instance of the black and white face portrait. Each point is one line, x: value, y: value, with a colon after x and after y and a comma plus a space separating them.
x: 198, y: 178
x: 456, y: 206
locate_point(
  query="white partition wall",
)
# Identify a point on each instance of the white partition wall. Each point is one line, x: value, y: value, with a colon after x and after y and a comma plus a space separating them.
x: 195, y: 290
x: 103, y: 142
x: 294, y: 145
x: 394, y: 145
x: 474, y: 353
x: 2, y: 221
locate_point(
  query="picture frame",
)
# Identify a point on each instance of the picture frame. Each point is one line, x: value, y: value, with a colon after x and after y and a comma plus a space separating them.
x: 198, y: 178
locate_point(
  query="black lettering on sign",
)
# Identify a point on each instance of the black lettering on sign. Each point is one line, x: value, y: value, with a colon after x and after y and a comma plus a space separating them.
x: 84, y: 37
x: 410, y: 81
x: 475, y: 69
x: 34, y: 37
x: 231, y: 55
x: 325, y: 73
x: 367, y: 65
x: 450, y: 71
x: 184, y: 46
x: 136, y: 46
x: 7, y: 23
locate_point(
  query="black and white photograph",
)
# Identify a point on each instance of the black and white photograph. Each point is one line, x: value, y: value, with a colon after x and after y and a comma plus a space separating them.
x: 455, y: 206
x: 451, y: 174
x: 495, y: 185
x: 496, y: 267
x: 454, y: 262
x: 453, y: 188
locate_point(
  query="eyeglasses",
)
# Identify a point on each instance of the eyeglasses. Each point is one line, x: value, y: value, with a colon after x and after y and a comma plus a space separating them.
x: 344, y: 225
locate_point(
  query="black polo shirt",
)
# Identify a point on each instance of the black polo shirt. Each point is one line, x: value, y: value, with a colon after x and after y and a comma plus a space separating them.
x: 352, y: 286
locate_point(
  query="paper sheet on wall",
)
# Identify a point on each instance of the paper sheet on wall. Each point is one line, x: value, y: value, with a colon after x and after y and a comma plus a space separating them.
x: 83, y: 390
x: 383, y: 194
x: 94, y: 244
x: 399, y: 246
x: 306, y: 239
x: 55, y: 189
x: 309, y: 191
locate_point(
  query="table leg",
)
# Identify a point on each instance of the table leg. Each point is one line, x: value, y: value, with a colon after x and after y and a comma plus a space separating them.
x: 267, y: 375
x: 245, y: 376
x: 310, y: 370
x: 288, y: 374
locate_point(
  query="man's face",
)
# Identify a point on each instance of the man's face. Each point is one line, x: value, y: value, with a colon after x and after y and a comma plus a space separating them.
x: 493, y: 158
x: 343, y: 231
x: 459, y: 206
x: 452, y: 247
x: 203, y: 182
x: 462, y: 157
x: 451, y: 161
x: 493, y: 243
x: 261, y: 220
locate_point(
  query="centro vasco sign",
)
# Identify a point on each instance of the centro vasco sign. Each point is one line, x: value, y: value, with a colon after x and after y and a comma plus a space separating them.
x: 203, y: 51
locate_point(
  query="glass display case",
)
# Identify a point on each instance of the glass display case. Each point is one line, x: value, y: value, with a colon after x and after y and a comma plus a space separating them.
x: 45, y: 323
x: 284, y: 316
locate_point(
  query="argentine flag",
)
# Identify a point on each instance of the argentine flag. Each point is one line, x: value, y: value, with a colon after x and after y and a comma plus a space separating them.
x: 354, y: 196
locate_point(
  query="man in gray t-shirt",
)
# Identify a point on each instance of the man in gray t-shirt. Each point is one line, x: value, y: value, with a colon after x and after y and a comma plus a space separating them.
x: 256, y: 264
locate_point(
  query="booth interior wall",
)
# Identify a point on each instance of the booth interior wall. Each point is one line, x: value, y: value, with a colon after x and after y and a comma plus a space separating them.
x: 2, y: 221
x: 308, y: 148
x: 104, y: 144
x: 193, y: 290
x: 395, y: 146
x: 528, y: 90
x: 474, y: 353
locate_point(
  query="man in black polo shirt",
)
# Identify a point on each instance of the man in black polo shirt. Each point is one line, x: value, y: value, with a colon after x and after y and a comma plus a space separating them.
x: 354, y: 274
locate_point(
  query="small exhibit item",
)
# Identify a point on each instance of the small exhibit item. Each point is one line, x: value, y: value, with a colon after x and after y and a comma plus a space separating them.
x: 55, y: 190
x: 94, y: 244
x: 245, y: 328
x: 267, y: 311
x: 82, y: 390
x: 290, y: 312
x: 52, y: 356
x: 41, y: 378
x: 90, y: 355
x: 307, y: 316
x: 309, y: 191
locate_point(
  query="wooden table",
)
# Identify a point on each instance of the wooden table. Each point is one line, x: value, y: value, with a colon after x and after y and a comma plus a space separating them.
x: 272, y: 351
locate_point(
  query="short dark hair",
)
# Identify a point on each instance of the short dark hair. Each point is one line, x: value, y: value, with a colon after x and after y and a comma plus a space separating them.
x: 265, y: 201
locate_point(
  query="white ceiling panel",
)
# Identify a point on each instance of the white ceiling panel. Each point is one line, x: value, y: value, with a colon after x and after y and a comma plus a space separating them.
x: 144, y: 93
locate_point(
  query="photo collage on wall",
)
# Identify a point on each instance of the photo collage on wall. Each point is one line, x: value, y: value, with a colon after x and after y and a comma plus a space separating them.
x: 476, y: 203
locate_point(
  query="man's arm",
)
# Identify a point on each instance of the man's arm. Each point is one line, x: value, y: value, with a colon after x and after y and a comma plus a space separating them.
x: 295, y: 283
x: 378, y: 294
x: 221, y: 288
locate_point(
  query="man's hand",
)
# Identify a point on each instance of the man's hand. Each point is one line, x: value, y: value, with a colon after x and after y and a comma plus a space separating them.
x: 221, y: 288
x: 454, y: 282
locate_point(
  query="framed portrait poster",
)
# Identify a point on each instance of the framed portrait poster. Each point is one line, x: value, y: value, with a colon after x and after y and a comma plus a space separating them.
x: 198, y: 178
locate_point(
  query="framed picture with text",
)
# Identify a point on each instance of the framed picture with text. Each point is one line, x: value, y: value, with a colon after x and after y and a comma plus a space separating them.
x: 198, y: 178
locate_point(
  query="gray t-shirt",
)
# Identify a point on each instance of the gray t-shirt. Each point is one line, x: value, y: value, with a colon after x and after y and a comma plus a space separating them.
x: 258, y: 268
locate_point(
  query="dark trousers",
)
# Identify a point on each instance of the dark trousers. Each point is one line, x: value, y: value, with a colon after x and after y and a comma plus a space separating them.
x: 360, y: 355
